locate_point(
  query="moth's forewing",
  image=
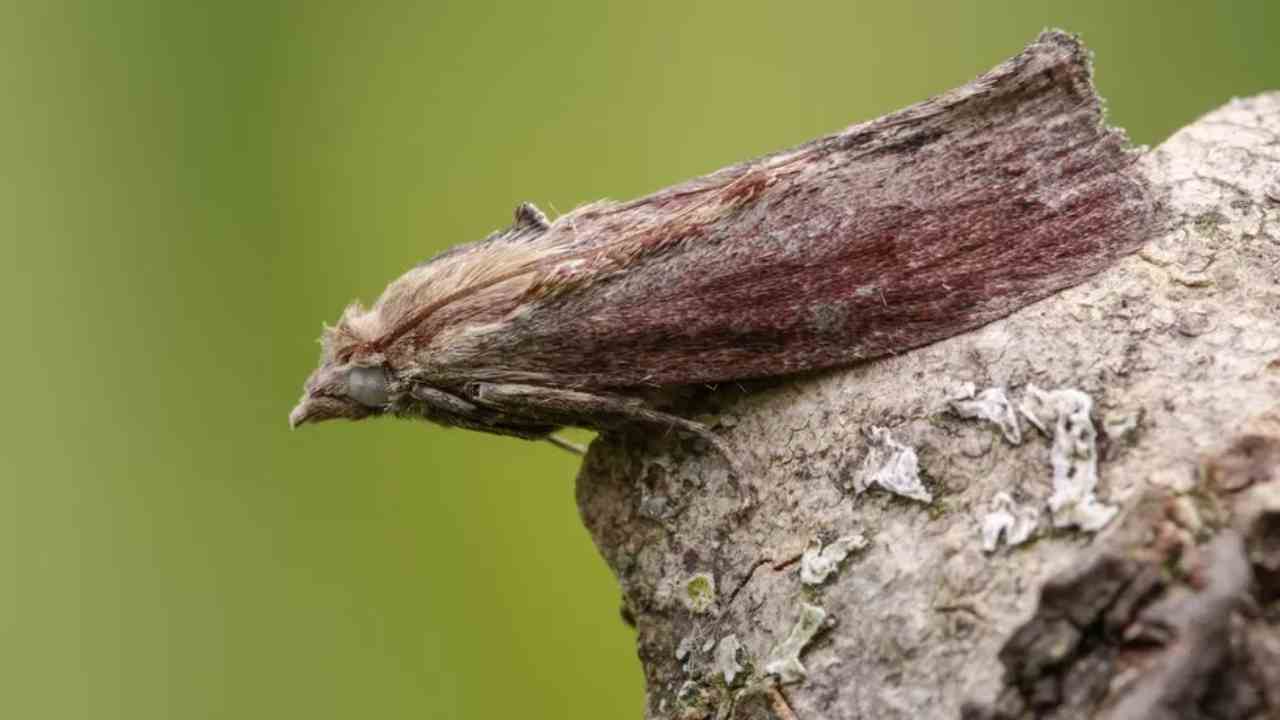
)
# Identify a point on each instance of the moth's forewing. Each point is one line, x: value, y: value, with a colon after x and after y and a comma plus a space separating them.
x: 890, y: 235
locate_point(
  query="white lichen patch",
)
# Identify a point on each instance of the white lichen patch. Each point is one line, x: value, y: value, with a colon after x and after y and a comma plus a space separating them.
x: 1064, y: 415
x: 784, y: 661
x: 818, y: 563
x: 685, y: 647
x: 991, y: 405
x: 1015, y: 523
x: 1121, y: 426
x: 727, y: 658
x: 891, y: 465
x: 698, y: 592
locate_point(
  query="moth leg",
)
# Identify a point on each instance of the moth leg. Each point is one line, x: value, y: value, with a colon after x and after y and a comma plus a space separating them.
x: 570, y: 407
x: 450, y: 410
x: 573, y: 407
x: 443, y: 401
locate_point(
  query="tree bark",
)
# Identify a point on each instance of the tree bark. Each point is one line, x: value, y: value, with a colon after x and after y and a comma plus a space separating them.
x: 926, y: 539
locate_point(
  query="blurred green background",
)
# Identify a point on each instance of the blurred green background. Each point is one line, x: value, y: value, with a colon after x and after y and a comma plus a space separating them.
x: 188, y: 190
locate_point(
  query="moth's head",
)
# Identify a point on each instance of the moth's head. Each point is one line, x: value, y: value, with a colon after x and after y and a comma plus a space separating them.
x: 346, y: 391
x: 350, y: 383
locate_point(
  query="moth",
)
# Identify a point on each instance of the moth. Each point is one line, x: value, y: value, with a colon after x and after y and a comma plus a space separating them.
x: 886, y: 236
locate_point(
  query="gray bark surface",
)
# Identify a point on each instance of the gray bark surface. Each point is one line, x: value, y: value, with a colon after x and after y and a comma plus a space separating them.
x: 1168, y: 610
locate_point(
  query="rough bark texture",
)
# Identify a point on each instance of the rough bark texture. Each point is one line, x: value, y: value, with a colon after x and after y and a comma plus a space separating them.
x: 1169, y: 611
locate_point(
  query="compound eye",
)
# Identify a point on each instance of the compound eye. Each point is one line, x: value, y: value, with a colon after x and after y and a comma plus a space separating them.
x: 368, y: 386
